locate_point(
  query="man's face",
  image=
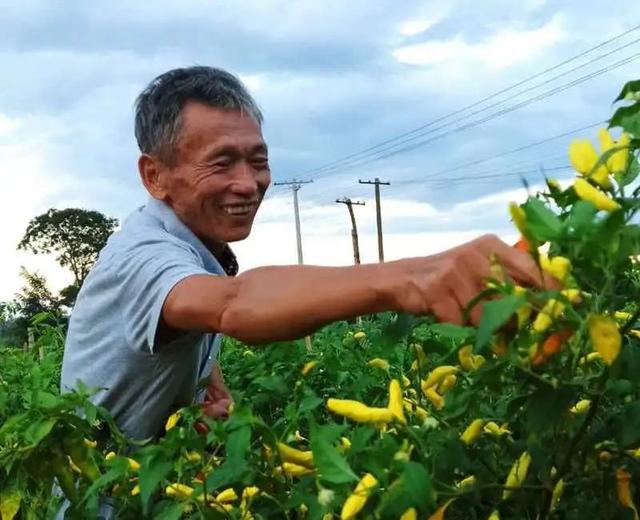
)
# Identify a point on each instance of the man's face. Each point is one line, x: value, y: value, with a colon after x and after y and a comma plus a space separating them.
x: 220, y: 173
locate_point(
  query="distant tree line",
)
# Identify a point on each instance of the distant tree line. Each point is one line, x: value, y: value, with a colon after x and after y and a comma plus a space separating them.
x: 75, y: 236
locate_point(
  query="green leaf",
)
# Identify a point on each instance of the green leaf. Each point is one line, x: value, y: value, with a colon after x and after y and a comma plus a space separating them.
x: 547, y: 407
x: 631, y: 87
x: 631, y: 174
x: 627, y: 118
x: 581, y: 218
x: 412, y: 489
x: 39, y: 430
x: 169, y: 511
x: 332, y: 466
x: 494, y: 315
x: 398, y: 329
x: 238, y: 445
x: 309, y: 402
x: 449, y: 331
x: 542, y: 223
x: 152, y: 471
x: 629, y: 433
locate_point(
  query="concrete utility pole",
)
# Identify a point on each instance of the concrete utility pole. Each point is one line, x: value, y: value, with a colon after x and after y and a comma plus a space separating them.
x: 295, y: 186
x: 354, y: 230
x: 377, y: 182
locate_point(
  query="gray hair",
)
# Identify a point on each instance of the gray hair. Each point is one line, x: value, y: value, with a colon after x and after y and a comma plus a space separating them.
x: 158, y: 108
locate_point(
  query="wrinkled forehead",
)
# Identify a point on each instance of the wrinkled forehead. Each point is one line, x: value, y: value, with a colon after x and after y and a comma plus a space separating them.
x: 204, y: 128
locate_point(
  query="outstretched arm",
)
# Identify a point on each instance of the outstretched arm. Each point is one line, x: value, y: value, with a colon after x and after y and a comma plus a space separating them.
x: 286, y: 302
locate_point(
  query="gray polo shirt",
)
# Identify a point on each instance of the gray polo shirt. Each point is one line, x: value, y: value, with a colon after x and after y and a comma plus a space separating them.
x: 111, y: 342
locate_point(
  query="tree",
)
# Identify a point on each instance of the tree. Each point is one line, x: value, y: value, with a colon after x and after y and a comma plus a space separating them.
x: 34, y: 298
x: 75, y: 235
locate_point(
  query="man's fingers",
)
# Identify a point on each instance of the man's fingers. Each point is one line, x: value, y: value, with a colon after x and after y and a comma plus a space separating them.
x: 216, y: 409
x: 448, y: 310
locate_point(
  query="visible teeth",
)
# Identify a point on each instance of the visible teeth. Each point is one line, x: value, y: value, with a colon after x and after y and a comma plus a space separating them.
x: 239, y: 209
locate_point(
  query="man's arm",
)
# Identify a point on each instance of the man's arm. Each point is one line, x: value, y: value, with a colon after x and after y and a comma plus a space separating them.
x: 286, y: 302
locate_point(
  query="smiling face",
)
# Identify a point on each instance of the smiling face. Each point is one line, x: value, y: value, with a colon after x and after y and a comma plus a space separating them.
x: 219, y: 175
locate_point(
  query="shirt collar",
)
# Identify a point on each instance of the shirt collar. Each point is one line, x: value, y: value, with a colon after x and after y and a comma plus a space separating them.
x: 225, y: 256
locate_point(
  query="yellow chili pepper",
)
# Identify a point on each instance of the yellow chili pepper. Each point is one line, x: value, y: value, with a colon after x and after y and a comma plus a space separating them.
x: 524, y: 311
x: 599, y: 199
x: 345, y: 443
x: 447, y: 383
x: 591, y: 356
x: 467, y: 482
x: 358, y: 499
x: 439, y: 513
x: 308, y: 366
x: 359, y: 412
x: 558, y: 266
x: 495, y: 515
x: 617, y: 161
x: 580, y: 407
x: 634, y: 453
x: 226, y: 495
x: 472, y: 432
x: 438, y: 374
x: 583, y: 157
x: 623, y: 489
x: 468, y: 360
x: 519, y: 217
x: 409, y: 514
x: 557, y: 493
x: 360, y: 335
x: 172, y: 421
x: 551, y: 310
x: 89, y: 444
x: 193, y: 456
x: 622, y: 316
x: 420, y: 360
x: 380, y: 363
x: 134, y: 465
x: 605, y: 337
x: 517, y: 475
x: 434, y: 397
x: 291, y: 469
x: 395, y: 401
x: 289, y: 454
x: 497, y: 431
x: 178, y: 490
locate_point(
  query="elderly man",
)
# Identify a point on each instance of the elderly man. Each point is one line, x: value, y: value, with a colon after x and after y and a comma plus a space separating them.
x: 147, y: 322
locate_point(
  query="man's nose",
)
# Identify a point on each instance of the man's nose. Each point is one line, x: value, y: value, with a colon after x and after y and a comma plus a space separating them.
x: 244, y: 180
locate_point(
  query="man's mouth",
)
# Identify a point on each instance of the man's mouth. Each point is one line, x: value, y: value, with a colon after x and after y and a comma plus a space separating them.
x: 240, y: 209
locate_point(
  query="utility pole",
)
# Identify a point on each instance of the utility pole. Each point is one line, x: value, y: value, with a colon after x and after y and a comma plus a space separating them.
x: 377, y: 182
x: 354, y: 230
x: 295, y: 186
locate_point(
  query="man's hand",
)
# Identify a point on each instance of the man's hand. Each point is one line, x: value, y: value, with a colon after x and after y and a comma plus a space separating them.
x: 444, y: 284
x: 217, y: 400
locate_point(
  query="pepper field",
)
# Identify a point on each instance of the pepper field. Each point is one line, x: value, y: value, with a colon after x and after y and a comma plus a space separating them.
x: 535, y: 414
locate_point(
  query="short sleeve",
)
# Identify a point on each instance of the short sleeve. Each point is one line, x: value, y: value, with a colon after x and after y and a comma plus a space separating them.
x: 146, y: 275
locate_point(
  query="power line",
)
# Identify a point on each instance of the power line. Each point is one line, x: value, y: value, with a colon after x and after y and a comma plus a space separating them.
x: 492, y: 157
x: 472, y: 124
x: 512, y: 151
x: 373, y: 149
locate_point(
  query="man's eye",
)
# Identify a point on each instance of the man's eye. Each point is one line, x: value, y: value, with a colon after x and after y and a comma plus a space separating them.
x: 223, y: 162
x: 261, y: 162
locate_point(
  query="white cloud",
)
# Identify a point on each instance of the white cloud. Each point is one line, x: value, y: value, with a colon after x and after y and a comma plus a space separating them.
x: 29, y: 187
x: 503, y: 48
x: 413, y: 27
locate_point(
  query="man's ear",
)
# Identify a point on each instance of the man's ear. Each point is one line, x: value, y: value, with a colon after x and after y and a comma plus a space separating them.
x: 151, y: 173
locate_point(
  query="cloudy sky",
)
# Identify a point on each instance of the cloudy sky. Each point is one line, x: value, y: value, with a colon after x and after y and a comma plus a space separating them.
x: 343, y: 85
